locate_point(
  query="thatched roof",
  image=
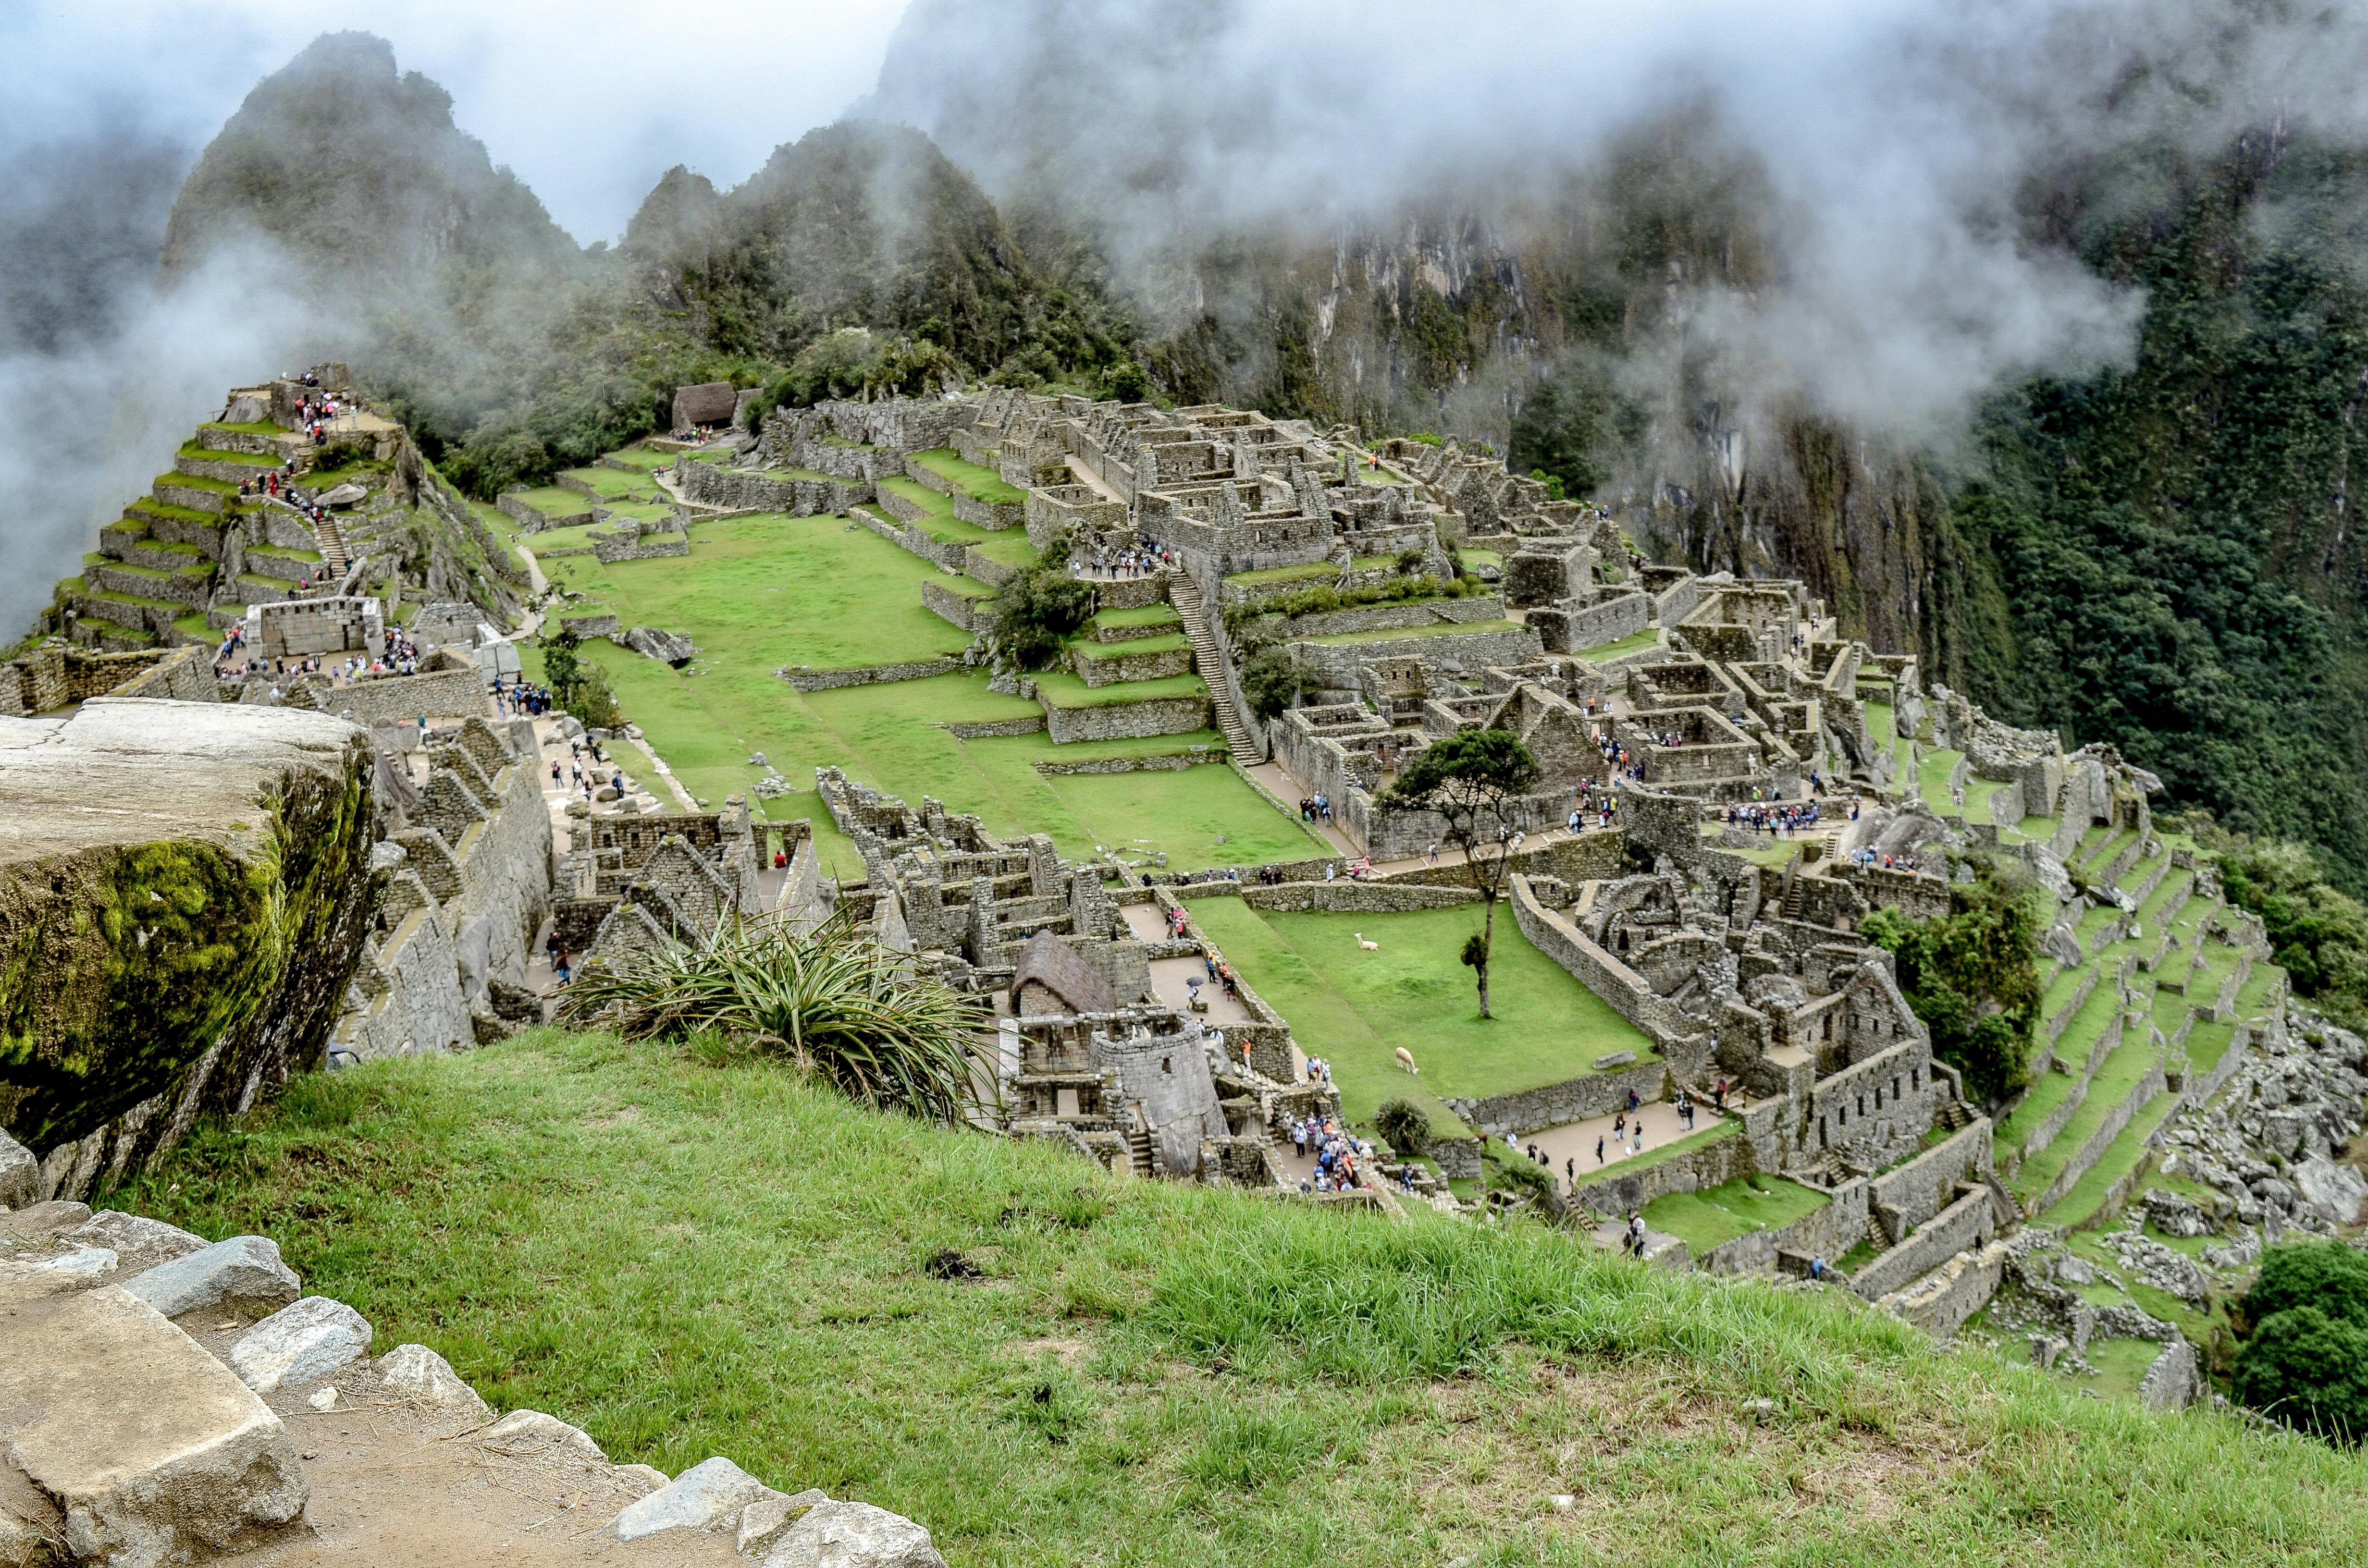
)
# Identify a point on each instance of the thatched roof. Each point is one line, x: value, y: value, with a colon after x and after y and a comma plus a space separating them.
x: 1054, y: 965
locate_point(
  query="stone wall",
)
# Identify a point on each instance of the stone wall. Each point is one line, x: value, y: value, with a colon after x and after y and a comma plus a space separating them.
x: 1917, y: 1190
x: 1556, y: 1105
x: 1123, y: 721
x: 1963, y: 1226
x: 1621, y: 987
x: 988, y: 729
x: 642, y: 547
x: 55, y: 675
x: 1574, y: 628
x: 1941, y: 1302
x: 1390, y: 615
x: 972, y: 615
x: 1708, y: 1163
x: 867, y: 675
x: 387, y: 700
x: 1828, y: 1232
x: 1343, y: 896
x: 1336, y: 663
x: 1167, y: 762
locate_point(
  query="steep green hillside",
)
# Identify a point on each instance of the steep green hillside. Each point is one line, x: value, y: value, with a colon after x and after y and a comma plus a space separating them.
x: 693, y: 1257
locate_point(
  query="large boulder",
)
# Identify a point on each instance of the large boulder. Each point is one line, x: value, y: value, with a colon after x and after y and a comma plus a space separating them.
x: 666, y: 647
x: 832, y: 1534
x: 707, y: 1496
x: 196, y: 878
x: 416, y: 1373
x: 141, y: 1446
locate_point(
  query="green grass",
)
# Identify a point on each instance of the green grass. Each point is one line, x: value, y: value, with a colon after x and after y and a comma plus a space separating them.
x: 642, y: 460
x: 2120, y: 1158
x: 1932, y: 779
x: 554, y: 502
x: 1879, y: 724
x: 2122, y: 1364
x: 2038, y: 1103
x: 213, y: 454
x: 252, y: 428
x: 2112, y: 1084
x: 980, y: 483
x: 1743, y: 1207
x: 1978, y: 792
x: 611, y: 484
x: 1148, y: 614
x: 1634, y: 642
x: 1271, y: 574
x: 198, y: 481
x: 1086, y: 649
x: 1006, y: 547
x: 1355, y: 1007
x: 151, y: 509
x: 1063, y: 689
x: 690, y: 1260
x: 285, y: 552
x: 1441, y: 628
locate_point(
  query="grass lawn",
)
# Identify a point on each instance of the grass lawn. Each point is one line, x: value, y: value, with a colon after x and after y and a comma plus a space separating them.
x: 1739, y: 1208
x: 1006, y: 547
x: 1356, y: 1007
x: 1065, y: 690
x: 979, y: 483
x: 689, y: 1259
x: 612, y: 484
x: 1879, y: 724
x: 1933, y: 775
x: 1170, y: 643
x: 215, y: 454
x: 554, y: 502
x: 641, y: 459
x: 1620, y: 648
x: 1148, y: 614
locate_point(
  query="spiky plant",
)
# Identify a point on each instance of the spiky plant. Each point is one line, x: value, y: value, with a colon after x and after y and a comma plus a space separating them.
x: 833, y: 999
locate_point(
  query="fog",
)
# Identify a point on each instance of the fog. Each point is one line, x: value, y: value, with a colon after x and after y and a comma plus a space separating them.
x: 1896, y: 137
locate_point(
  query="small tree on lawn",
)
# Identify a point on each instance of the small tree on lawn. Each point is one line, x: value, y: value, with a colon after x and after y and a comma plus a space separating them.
x: 1471, y: 779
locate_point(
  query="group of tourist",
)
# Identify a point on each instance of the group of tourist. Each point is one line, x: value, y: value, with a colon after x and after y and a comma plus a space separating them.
x: 1340, y: 1160
x: 1315, y: 810
x: 1319, y: 1069
x: 1616, y: 755
x: 520, y: 700
x: 1138, y: 560
x: 1772, y: 819
x: 1888, y: 862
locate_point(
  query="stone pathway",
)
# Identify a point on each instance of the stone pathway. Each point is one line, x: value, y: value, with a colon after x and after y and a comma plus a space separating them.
x: 1576, y: 1140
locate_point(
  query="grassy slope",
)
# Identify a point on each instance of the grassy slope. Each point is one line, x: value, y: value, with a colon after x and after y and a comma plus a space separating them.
x: 691, y: 1259
x: 1356, y: 1007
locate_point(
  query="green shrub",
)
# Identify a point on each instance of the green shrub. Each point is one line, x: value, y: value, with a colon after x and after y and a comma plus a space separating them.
x: 577, y: 684
x: 1971, y: 976
x: 1127, y: 381
x: 1404, y: 588
x: 1035, y: 610
x: 1404, y: 1127
x: 2327, y: 1275
x: 1511, y: 1170
x: 1272, y: 682
x: 2308, y: 1370
x: 2318, y: 933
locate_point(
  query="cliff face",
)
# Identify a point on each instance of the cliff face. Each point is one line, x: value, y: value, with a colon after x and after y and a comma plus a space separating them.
x: 185, y: 892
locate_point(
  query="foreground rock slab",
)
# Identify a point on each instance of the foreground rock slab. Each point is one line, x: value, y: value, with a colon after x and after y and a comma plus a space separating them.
x: 150, y: 1449
x: 709, y: 1493
x: 852, y: 1535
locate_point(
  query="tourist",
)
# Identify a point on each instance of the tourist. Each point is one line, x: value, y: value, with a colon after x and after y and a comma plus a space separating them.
x: 1599, y: 1148
x: 1633, y: 1099
x: 1718, y: 1095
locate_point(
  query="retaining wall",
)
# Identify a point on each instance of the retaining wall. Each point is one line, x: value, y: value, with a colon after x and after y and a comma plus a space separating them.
x: 1345, y: 897
x: 1707, y: 1164
x: 1919, y: 1188
x: 1621, y: 987
x: 1557, y: 1105
x: 1126, y: 721
x: 1963, y: 1226
x: 868, y: 674
x: 1828, y: 1232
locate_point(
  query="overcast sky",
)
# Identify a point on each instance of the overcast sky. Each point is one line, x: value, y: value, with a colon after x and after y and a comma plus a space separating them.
x: 588, y: 100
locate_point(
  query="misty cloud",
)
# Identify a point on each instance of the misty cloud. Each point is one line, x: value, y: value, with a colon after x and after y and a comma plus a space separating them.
x: 1896, y: 139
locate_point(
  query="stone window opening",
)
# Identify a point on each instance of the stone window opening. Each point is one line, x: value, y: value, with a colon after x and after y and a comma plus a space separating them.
x: 1862, y: 1105
x: 1911, y: 1078
x: 1168, y: 1064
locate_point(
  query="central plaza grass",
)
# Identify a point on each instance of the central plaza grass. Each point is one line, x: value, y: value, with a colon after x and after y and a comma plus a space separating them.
x: 761, y: 593
x: 689, y: 1259
x: 1355, y: 1009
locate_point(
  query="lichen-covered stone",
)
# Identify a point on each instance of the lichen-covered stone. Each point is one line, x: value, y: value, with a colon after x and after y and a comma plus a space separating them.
x: 184, y: 890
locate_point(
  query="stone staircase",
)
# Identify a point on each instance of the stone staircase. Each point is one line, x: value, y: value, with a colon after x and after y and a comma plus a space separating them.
x: 1185, y: 594
x: 334, y: 555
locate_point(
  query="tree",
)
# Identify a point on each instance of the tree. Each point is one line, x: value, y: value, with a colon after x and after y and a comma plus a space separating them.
x: 1127, y: 381
x: 1404, y: 1127
x: 1971, y: 976
x: 1271, y: 681
x: 1474, y: 779
x: 1035, y: 610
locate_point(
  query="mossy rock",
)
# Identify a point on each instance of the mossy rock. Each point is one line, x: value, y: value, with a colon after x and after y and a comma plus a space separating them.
x: 185, y: 891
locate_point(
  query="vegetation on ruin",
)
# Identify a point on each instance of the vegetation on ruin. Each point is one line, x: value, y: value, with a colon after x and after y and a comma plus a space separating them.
x: 2303, y: 1357
x: 577, y: 683
x: 1271, y: 681
x: 692, y: 1255
x: 1971, y: 976
x: 1037, y: 611
x: 1471, y: 779
x: 2318, y: 934
x: 1402, y: 587
x: 1404, y: 1128
x: 833, y: 1001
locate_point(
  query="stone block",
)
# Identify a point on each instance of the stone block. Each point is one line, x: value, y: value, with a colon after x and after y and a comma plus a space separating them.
x: 709, y: 1494
x: 138, y: 1242
x: 769, y: 1518
x: 525, y: 1433
x: 150, y: 1449
x: 415, y: 1372
x: 833, y: 1534
x: 243, y: 1272
x: 667, y: 647
x: 21, y: 1175
x: 299, y: 1343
